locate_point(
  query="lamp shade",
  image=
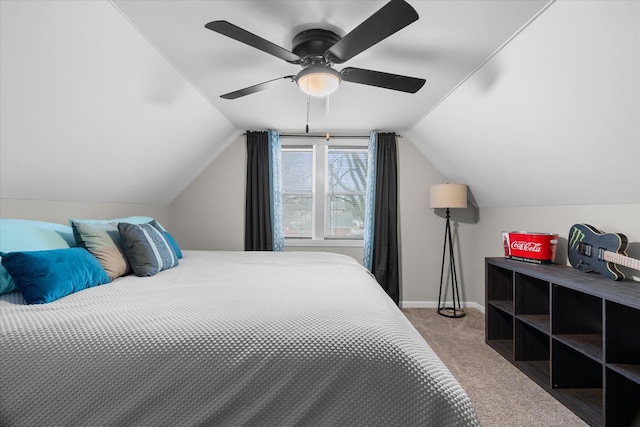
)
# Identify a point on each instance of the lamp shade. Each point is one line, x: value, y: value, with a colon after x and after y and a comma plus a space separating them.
x: 448, y: 196
x: 318, y: 80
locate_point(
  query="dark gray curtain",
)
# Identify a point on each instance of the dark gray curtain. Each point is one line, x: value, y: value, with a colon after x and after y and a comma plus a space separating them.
x: 385, y: 242
x: 257, y: 219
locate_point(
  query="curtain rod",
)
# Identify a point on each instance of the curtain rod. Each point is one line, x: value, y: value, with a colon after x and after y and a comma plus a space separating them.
x: 323, y: 135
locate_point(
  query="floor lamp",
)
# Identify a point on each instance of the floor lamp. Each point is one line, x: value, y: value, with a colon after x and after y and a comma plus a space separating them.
x: 449, y: 196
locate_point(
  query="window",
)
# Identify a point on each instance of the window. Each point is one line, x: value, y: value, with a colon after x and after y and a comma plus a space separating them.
x: 323, y: 191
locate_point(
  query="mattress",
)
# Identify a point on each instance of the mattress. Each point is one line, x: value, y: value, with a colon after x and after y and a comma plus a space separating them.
x: 225, y: 338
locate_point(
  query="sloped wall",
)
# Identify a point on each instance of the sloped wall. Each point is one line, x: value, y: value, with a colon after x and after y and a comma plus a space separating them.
x: 552, y: 118
x: 91, y: 111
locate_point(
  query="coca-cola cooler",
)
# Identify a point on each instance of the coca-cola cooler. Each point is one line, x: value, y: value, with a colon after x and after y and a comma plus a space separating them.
x: 537, y: 248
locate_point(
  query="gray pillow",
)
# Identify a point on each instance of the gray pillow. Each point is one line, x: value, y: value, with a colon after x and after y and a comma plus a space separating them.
x: 146, y: 248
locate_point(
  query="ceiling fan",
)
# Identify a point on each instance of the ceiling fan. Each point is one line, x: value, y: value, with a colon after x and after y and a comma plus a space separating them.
x: 317, y: 50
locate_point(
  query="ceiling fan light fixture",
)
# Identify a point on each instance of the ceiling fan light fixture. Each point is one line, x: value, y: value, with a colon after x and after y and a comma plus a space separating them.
x: 318, y: 80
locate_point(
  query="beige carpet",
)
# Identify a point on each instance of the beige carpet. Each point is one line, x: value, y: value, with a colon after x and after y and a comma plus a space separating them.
x: 502, y: 395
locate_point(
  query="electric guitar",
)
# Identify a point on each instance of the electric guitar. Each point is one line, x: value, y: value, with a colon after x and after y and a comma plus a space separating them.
x: 592, y: 250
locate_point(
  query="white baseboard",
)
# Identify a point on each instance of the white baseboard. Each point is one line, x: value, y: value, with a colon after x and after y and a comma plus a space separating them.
x: 434, y: 304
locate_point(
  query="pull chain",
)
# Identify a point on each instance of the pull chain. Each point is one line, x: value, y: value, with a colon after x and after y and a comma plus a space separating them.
x: 308, y: 106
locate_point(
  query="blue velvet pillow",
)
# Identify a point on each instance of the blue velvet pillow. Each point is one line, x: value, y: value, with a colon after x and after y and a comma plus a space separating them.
x: 29, y: 235
x: 45, y: 276
x: 146, y: 248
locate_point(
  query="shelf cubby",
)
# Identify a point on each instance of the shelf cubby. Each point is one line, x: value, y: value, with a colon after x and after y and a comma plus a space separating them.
x: 500, y: 335
x: 575, y: 312
x: 623, y: 394
x: 531, y: 302
x: 530, y: 343
x: 620, y: 349
x: 502, y: 291
x: 574, y: 369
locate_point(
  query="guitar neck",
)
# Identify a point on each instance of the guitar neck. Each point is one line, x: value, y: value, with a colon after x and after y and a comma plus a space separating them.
x: 621, y: 260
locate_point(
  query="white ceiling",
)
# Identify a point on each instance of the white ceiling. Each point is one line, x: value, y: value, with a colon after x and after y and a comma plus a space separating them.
x: 530, y: 103
x: 449, y: 41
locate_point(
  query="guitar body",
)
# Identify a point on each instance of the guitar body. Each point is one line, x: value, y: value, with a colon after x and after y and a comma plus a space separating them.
x: 588, y: 246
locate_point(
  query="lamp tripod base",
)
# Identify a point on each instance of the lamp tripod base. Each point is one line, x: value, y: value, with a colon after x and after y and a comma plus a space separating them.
x: 451, y: 312
x: 455, y: 310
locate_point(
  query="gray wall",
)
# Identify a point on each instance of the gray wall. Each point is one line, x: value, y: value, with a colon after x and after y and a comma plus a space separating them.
x: 209, y: 214
x: 623, y: 219
x: 61, y: 211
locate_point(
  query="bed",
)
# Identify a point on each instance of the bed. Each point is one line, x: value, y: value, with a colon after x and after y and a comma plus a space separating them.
x: 225, y: 338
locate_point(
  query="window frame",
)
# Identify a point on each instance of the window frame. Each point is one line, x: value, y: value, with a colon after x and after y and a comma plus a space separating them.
x: 320, y: 149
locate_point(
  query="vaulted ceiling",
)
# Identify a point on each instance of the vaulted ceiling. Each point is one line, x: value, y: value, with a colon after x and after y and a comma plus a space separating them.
x: 449, y: 40
x: 119, y: 101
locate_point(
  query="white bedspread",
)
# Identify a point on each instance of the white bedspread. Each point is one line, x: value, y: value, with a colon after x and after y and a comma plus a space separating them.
x: 225, y: 339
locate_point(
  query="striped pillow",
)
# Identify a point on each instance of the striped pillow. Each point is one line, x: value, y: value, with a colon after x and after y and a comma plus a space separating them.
x: 146, y: 248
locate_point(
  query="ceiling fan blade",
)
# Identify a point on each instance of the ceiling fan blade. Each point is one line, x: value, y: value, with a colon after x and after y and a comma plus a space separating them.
x: 380, y: 79
x: 244, y: 36
x: 255, y: 88
x: 391, y: 18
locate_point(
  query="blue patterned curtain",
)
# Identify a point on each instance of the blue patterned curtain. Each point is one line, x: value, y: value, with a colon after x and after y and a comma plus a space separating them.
x: 369, y: 212
x: 275, y: 190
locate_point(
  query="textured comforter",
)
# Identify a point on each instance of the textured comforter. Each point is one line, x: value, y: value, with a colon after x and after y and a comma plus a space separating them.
x: 225, y: 338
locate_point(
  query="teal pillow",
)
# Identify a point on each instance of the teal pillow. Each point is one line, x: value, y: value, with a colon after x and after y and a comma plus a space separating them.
x: 146, y: 248
x: 172, y: 241
x: 6, y: 281
x: 29, y: 235
x: 136, y: 219
x: 45, y: 276
x: 174, y: 244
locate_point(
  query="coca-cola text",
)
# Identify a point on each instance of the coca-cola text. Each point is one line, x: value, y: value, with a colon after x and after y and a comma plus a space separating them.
x: 526, y: 246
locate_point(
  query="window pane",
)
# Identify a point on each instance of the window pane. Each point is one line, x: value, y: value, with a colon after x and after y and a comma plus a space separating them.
x: 346, y: 186
x: 296, y: 216
x: 297, y: 192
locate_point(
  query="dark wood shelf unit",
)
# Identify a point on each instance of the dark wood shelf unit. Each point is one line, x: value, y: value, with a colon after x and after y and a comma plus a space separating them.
x: 537, y: 370
x: 530, y: 343
x: 623, y: 394
x: 539, y: 321
x: 630, y: 371
x: 588, y: 344
x: 586, y: 402
x: 506, y: 306
x: 504, y: 347
x: 573, y: 333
